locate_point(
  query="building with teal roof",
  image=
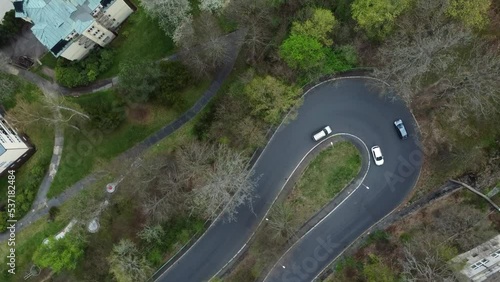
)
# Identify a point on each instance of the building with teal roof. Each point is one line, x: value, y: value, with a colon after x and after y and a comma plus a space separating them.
x: 71, y: 28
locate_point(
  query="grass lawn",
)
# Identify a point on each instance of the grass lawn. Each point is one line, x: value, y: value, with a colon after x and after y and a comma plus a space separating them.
x: 27, y: 242
x: 79, y: 159
x: 138, y: 37
x: 30, y: 175
x: 322, y: 180
x: 29, y: 239
x: 49, y: 60
x: 120, y: 221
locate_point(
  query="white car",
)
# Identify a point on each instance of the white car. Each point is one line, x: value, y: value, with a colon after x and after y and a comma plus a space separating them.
x: 377, y: 155
x: 322, y: 134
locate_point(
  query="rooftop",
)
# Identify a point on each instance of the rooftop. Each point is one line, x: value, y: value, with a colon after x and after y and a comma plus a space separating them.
x: 54, y: 20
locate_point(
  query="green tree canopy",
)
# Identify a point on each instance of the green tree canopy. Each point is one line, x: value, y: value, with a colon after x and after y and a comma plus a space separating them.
x: 270, y: 98
x: 376, y: 17
x: 319, y: 26
x: 10, y: 27
x: 138, y: 80
x: 301, y: 52
x: 59, y: 254
x: 473, y: 13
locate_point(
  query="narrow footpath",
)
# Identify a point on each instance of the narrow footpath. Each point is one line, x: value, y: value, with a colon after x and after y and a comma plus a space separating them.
x: 236, y: 39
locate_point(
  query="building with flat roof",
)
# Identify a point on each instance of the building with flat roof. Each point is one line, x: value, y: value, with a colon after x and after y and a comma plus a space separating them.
x: 71, y: 28
x: 481, y: 263
x: 15, y: 149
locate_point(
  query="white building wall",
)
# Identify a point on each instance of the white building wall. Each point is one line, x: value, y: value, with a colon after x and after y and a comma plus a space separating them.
x: 99, y: 34
x: 11, y: 156
x: 482, y: 261
x: 75, y: 51
x: 13, y: 144
x: 119, y: 11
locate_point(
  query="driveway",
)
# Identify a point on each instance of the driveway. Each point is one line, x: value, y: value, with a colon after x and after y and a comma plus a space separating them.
x: 349, y: 105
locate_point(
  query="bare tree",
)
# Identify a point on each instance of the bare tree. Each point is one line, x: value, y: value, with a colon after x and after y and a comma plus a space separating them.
x: 474, y: 87
x: 256, y: 17
x: 463, y: 225
x: 430, y: 55
x: 281, y: 221
x: 203, y: 46
x: 127, y: 264
x: 195, y: 160
x: 228, y: 185
x: 408, y: 59
x: 426, y: 260
x: 50, y: 111
x: 159, y: 187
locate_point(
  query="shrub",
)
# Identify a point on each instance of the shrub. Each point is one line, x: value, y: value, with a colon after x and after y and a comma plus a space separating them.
x: 155, y: 256
x: 405, y: 237
x: 338, y: 60
x: 348, y: 54
x: 70, y: 76
x: 201, y: 128
x: 53, y: 212
x: 83, y: 72
x: 108, y: 112
x: 377, y: 236
x: 138, y: 86
x: 174, y: 76
x: 60, y: 254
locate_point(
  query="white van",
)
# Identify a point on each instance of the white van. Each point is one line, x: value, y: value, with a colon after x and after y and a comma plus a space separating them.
x: 322, y: 134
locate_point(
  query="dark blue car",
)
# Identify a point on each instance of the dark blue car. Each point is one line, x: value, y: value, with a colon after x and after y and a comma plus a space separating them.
x: 401, y: 129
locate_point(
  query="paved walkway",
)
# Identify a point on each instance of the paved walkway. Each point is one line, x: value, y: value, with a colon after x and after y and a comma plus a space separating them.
x: 236, y: 39
x: 49, y: 72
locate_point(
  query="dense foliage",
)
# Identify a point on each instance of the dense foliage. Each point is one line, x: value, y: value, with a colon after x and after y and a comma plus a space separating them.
x: 85, y: 71
x: 10, y: 27
x: 162, y: 81
x: 302, y: 52
x: 319, y: 26
x: 377, y: 17
x: 108, y: 114
x: 271, y: 98
x: 473, y: 13
x: 60, y: 254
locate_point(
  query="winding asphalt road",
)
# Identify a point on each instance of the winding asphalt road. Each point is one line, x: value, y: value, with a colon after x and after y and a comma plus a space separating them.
x: 348, y: 105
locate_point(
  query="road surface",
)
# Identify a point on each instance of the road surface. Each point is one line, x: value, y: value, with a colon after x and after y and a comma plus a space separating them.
x: 348, y: 105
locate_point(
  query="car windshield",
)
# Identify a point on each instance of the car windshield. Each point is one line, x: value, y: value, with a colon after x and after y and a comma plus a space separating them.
x: 379, y: 158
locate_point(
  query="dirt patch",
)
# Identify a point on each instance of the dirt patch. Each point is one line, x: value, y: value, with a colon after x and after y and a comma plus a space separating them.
x: 139, y: 113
